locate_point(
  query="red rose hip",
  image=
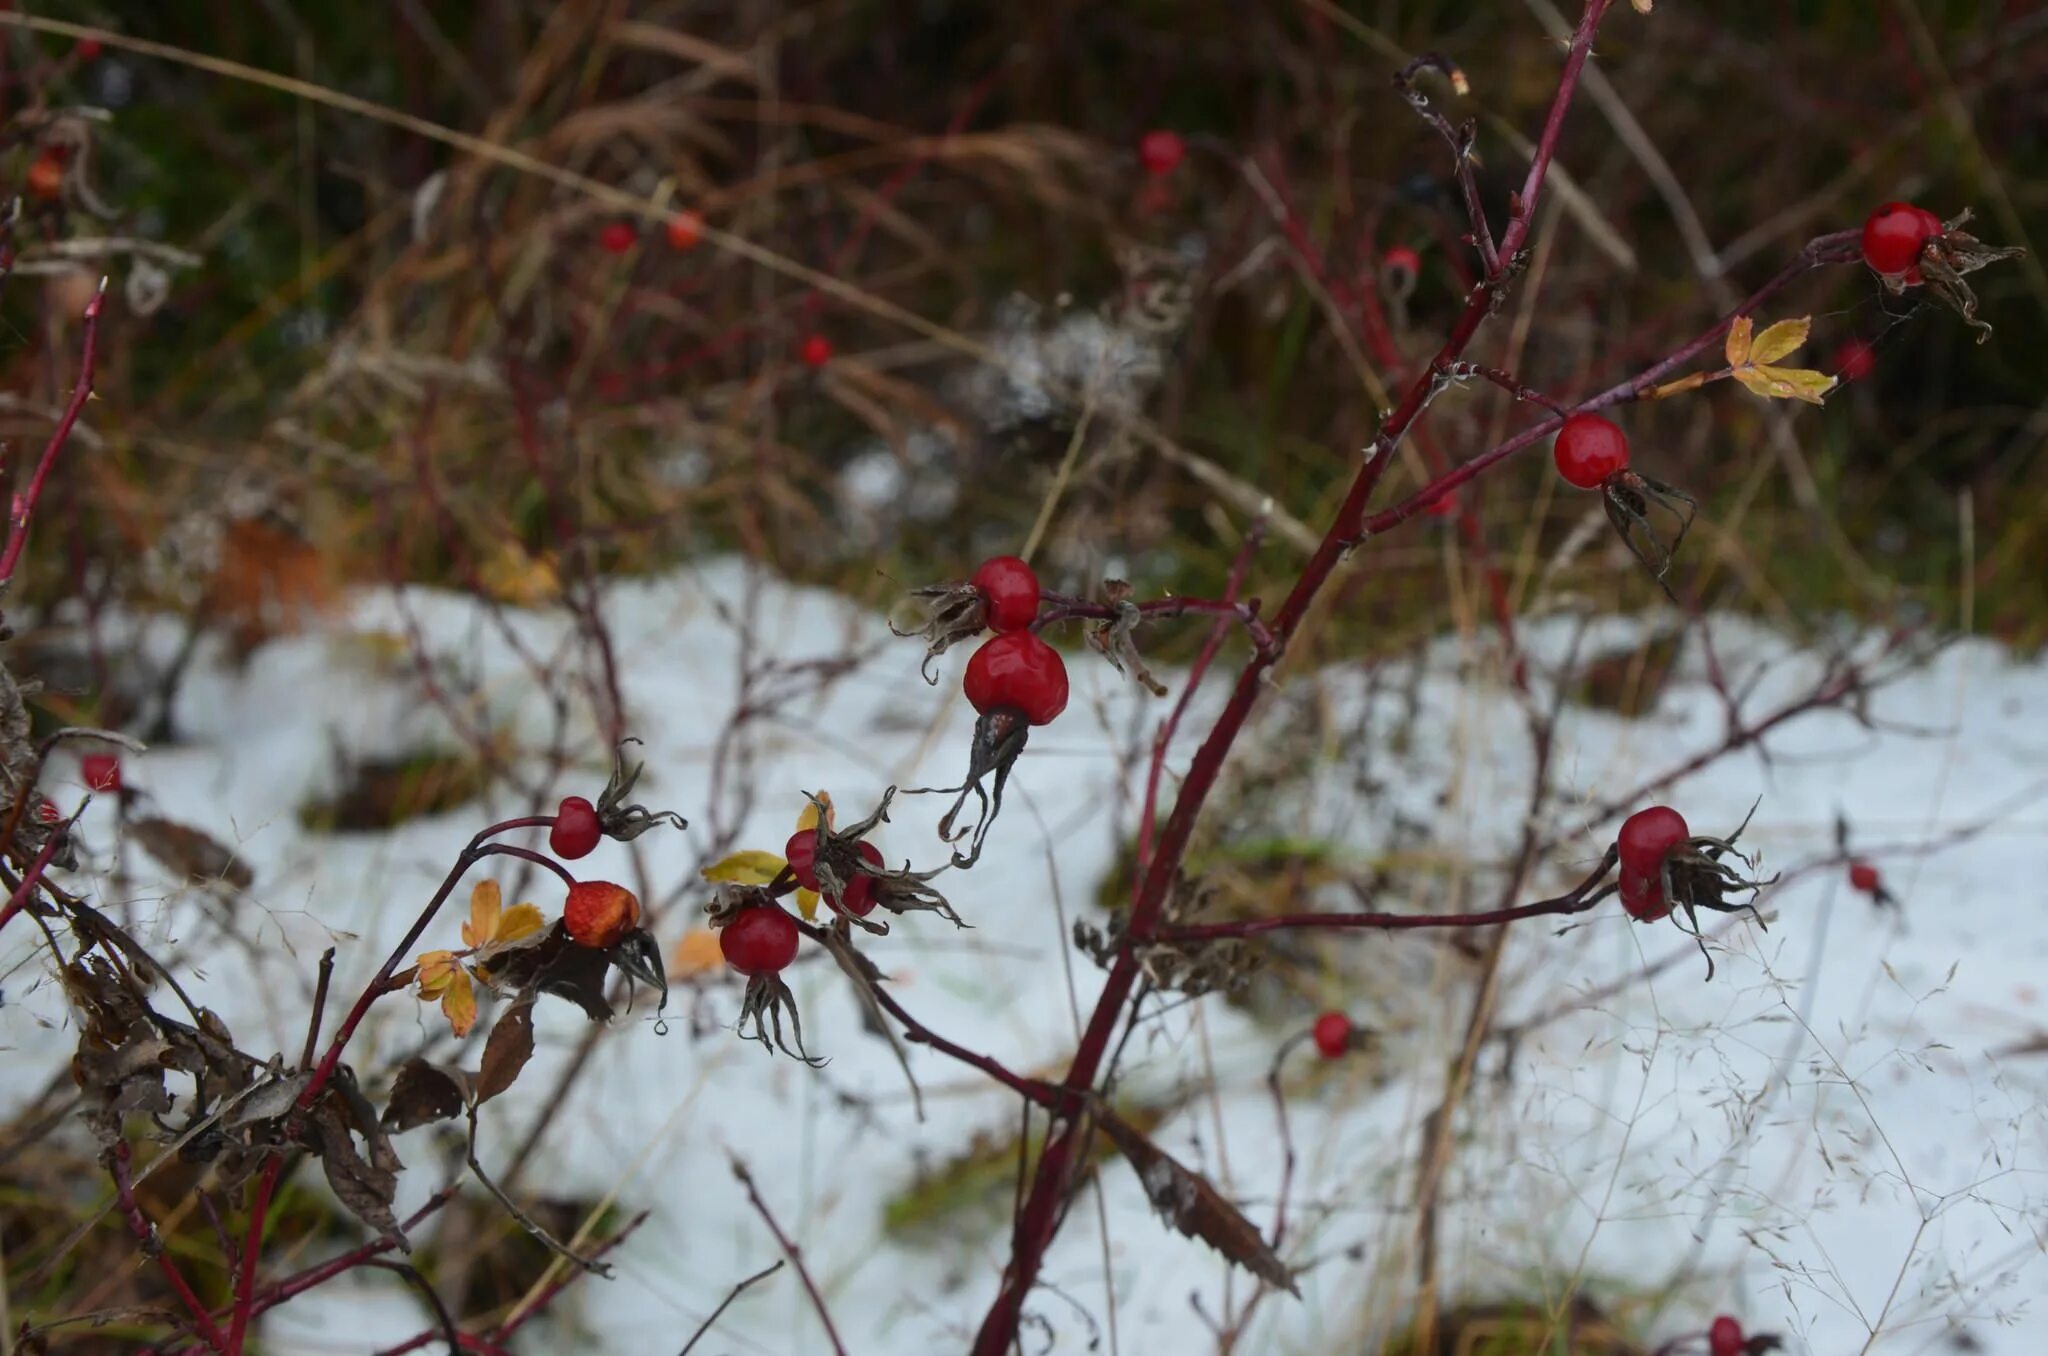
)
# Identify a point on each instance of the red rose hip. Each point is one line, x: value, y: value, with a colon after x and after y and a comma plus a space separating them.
x: 1725, y: 1337
x: 1893, y: 237
x: 616, y: 237
x: 802, y: 852
x: 1018, y: 672
x: 759, y: 941
x: 599, y: 914
x: 1332, y: 1034
x: 1589, y: 449
x: 576, y: 831
x: 1010, y: 588
x: 1160, y: 151
x: 815, y: 351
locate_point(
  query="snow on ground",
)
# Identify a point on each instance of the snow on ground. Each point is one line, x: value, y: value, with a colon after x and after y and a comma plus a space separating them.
x: 1826, y: 1139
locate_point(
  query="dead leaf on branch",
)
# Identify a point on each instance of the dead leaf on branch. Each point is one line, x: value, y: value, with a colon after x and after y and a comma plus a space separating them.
x: 1193, y: 1206
x: 506, y: 1052
x: 190, y: 853
x: 424, y: 1094
x: 365, y: 1189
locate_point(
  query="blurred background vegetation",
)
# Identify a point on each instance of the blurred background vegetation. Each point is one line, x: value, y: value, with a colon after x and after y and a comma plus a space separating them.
x: 379, y: 355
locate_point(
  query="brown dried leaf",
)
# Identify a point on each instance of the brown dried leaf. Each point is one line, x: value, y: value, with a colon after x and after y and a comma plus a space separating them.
x: 506, y: 1052
x: 423, y: 1094
x: 188, y: 852
x: 365, y: 1190
x: 550, y: 963
x: 1194, y: 1207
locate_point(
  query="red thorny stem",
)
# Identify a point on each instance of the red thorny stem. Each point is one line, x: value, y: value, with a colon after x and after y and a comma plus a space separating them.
x: 1038, y: 1219
x: 24, y: 505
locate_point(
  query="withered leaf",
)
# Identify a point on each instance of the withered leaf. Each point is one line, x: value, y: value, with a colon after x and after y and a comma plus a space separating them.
x: 270, y: 1101
x: 364, y: 1189
x: 190, y: 853
x: 550, y: 963
x: 506, y: 1052
x: 1194, y: 1207
x: 422, y: 1094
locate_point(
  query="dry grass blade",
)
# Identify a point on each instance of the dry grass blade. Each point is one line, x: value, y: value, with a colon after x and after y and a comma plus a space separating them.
x: 1186, y: 1200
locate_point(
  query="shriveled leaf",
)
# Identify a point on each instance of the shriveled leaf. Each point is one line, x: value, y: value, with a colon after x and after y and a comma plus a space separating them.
x: 1739, y: 334
x: 270, y: 1101
x: 553, y: 964
x: 366, y: 1190
x: 1780, y: 340
x: 1787, y: 383
x: 486, y: 902
x: 748, y: 867
x: 190, y: 853
x: 422, y: 1094
x: 1194, y: 1207
x: 506, y: 1052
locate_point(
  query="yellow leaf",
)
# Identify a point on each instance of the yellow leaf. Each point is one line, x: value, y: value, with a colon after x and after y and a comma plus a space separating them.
x: 1738, y: 341
x: 807, y: 904
x: 1787, y: 383
x: 512, y: 576
x: 695, y: 954
x: 748, y: 867
x: 521, y: 920
x: 1642, y: 6
x: 486, y: 902
x: 458, y: 1004
x: 809, y: 818
x: 435, y: 971
x: 1780, y: 340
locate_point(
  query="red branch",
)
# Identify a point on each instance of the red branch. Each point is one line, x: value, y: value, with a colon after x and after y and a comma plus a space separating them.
x: 24, y: 505
x: 118, y: 1160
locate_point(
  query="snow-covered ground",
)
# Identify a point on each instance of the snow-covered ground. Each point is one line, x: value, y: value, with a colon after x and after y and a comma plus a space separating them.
x: 1826, y: 1139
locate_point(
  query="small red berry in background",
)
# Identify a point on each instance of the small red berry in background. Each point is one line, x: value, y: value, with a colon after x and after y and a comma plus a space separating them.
x: 102, y: 771
x: 1854, y: 360
x: 759, y: 941
x: 1018, y: 672
x: 599, y: 914
x: 858, y: 898
x: 88, y: 49
x: 576, y: 830
x: 1401, y: 259
x: 1725, y: 1337
x: 1010, y: 588
x: 802, y: 853
x: 685, y: 229
x: 1160, y: 151
x: 815, y: 351
x: 1893, y: 237
x: 1333, y: 1034
x: 46, y: 177
x: 1590, y: 449
x: 1863, y: 876
x: 617, y: 237
x: 1443, y: 506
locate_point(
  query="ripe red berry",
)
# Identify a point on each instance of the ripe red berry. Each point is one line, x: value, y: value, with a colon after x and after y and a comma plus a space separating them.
x: 88, y: 49
x: 1725, y: 1337
x: 1647, y: 838
x: 802, y: 852
x: 1863, y: 876
x: 1161, y: 151
x: 1643, y: 897
x: 599, y: 914
x: 858, y: 898
x: 1854, y: 360
x: 1019, y: 672
x: 617, y: 237
x: 1010, y: 588
x: 1589, y: 450
x: 1893, y: 236
x: 1333, y: 1034
x: 576, y: 830
x: 46, y: 177
x: 102, y: 771
x: 760, y: 941
x: 1402, y: 259
x: 815, y: 351
x: 685, y: 229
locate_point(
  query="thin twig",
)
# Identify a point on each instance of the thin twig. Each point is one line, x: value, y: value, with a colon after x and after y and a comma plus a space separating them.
x: 24, y: 506
x: 763, y: 1274
x: 790, y: 1251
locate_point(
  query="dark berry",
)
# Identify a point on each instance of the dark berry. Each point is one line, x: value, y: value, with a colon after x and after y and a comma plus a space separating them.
x: 815, y: 351
x: 1018, y: 672
x: 1161, y: 151
x: 802, y: 852
x: 858, y: 898
x: 759, y: 941
x: 1863, y: 876
x: 1010, y: 588
x: 1854, y: 360
x: 685, y: 229
x: 1589, y: 450
x: 576, y: 830
x: 617, y: 237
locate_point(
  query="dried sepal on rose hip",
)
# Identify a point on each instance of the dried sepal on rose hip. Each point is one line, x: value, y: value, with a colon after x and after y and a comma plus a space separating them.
x: 1592, y: 453
x: 759, y: 940
x: 1666, y: 867
x: 1115, y: 638
x: 616, y: 816
x: 851, y: 874
x: 1015, y: 681
x: 1002, y: 594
